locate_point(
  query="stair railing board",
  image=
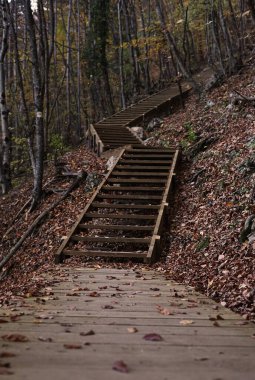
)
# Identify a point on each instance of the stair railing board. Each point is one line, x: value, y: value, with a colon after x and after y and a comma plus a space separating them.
x: 153, y: 251
x: 97, y: 144
x: 59, y: 257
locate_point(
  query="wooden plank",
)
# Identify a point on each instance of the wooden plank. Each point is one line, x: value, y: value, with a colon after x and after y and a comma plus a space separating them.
x: 145, y: 162
x: 136, y: 167
x: 147, y: 157
x: 151, y: 150
x: 125, y: 196
x: 132, y: 188
x: 120, y: 216
x: 140, y: 174
x: 136, y: 180
x: 114, y: 227
x: 100, y: 239
x: 71, y: 252
x: 125, y: 206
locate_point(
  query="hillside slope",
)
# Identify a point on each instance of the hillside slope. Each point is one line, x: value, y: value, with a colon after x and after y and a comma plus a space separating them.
x: 215, y: 193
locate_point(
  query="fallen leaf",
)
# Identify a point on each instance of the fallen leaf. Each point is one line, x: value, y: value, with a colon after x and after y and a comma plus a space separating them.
x: 164, y: 310
x: 14, y: 318
x: 94, y: 294
x: 186, y: 322
x: 90, y: 332
x: 73, y: 346
x: 5, y: 371
x: 132, y: 330
x: 120, y: 366
x: 43, y: 339
x: 15, y: 338
x: 3, y: 321
x: 153, y: 337
x: 43, y: 316
x: 6, y: 354
x: 5, y: 365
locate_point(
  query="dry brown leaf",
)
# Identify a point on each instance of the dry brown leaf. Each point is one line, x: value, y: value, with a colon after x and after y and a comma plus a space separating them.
x: 73, y: 346
x: 15, y: 338
x: 132, y: 330
x: 120, y: 366
x: 186, y: 322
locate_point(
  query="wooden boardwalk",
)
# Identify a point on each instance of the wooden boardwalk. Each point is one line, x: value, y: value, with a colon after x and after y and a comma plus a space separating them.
x: 89, y: 319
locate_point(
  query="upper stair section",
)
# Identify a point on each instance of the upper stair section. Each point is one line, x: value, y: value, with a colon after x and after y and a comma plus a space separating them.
x: 114, y: 131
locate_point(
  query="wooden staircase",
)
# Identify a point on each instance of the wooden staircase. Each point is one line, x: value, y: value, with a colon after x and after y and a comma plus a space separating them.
x: 125, y: 216
x: 115, y: 131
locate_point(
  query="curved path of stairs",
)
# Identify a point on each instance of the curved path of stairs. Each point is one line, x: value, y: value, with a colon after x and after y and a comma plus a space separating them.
x: 115, y: 131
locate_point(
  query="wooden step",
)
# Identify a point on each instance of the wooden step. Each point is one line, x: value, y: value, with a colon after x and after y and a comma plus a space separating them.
x: 100, y: 239
x: 137, y: 167
x: 132, y: 188
x: 152, y: 150
x: 145, y: 162
x: 140, y: 174
x: 120, y: 216
x: 149, y: 157
x: 126, y: 196
x: 136, y: 180
x: 125, y: 206
x: 114, y: 227
x: 72, y: 252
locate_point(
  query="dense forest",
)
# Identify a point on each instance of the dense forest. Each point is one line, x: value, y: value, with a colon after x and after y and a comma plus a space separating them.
x: 66, y: 64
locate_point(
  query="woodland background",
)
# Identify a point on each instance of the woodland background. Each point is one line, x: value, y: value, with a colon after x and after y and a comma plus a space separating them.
x: 65, y: 64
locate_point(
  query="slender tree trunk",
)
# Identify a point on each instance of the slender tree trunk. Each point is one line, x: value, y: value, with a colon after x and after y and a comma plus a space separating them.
x: 146, y: 47
x: 20, y: 83
x: 78, y: 70
x: 122, y: 90
x: 5, y: 149
x: 38, y: 105
x: 68, y: 73
x: 136, y: 84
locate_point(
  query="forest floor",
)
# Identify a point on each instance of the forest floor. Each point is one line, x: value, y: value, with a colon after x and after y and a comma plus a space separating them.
x: 215, y: 194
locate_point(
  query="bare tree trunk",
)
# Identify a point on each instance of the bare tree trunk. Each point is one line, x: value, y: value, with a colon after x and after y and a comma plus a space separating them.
x: 38, y: 105
x: 5, y: 149
x: 68, y: 73
x: 228, y: 44
x: 122, y: 90
x: 135, y: 84
x: 146, y: 47
x: 24, y: 108
x: 78, y: 70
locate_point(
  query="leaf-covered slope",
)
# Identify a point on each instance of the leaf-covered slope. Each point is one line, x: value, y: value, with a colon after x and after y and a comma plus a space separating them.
x: 215, y: 193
